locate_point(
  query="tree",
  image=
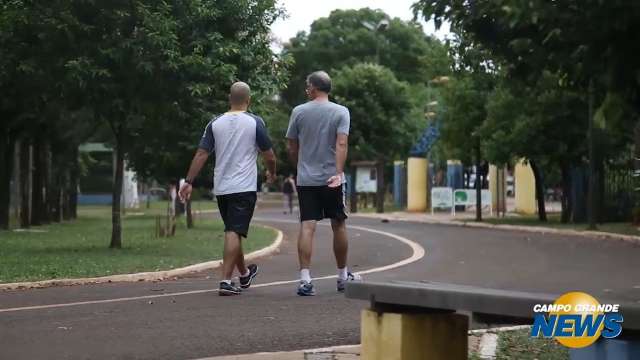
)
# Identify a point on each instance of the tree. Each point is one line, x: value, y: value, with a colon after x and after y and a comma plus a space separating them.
x: 559, y: 37
x: 343, y: 39
x: 543, y: 124
x: 31, y: 79
x: 379, y: 105
x: 465, y: 98
x: 216, y: 52
x: 157, y: 61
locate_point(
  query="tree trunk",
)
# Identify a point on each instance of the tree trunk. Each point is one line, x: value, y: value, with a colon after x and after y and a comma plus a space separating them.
x: 380, y: 186
x: 478, y: 185
x: 60, y: 200
x: 6, y: 170
x: 189, y: 214
x: 73, y: 182
x: 47, y: 163
x: 148, y: 192
x: 116, y: 221
x: 567, y: 203
x: 38, y: 206
x: 66, y: 204
x: 591, y: 194
x: 537, y: 174
x: 25, y: 188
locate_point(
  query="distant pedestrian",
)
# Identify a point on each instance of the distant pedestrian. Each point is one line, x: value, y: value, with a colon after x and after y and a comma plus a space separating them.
x: 288, y: 189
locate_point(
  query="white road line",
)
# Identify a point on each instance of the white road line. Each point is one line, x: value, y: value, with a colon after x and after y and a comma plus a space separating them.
x: 418, y: 253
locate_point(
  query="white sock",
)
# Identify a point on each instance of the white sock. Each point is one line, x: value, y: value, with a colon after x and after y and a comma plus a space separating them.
x: 246, y: 274
x: 305, y: 275
x: 228, y: 282
x: 342, y: 273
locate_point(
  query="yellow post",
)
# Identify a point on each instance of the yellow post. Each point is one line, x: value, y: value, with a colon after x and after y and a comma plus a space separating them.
x: 394, y: 336
x: 525, y: 185
x: 498, y: 188
x: 417, y: 184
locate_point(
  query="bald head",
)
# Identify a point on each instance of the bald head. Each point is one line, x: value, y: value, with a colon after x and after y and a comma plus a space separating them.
x: 240, y: 93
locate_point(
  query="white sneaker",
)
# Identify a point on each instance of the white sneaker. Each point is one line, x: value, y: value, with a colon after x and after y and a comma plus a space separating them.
x: 350, y: 277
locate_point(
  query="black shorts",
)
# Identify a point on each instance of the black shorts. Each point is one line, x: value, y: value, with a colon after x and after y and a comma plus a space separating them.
x: 236, y: 211
x: 321, y: 202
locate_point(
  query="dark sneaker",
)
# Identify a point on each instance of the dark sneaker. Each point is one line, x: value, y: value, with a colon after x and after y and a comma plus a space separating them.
x: 350, y: 277
x: 229, y: 289
x: 306, y: 289
x: 245, y: 281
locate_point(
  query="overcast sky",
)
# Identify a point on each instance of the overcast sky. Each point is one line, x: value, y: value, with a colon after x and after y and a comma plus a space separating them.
x: 301, y: 13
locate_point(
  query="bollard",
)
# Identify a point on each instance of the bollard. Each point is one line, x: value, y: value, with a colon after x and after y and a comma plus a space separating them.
x: 417, y: 184
x: 399, y: 182
x: 410, y: 336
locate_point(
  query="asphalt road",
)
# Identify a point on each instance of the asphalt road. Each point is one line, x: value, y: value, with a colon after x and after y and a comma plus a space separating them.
x: 186, y: 319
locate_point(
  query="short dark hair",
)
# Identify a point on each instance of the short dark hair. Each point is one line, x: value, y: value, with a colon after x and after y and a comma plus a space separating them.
x: 320, y: 80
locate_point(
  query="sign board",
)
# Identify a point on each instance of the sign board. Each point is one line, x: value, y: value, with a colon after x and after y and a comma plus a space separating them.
x: 467, y: 197
x: 441, y: 198
x: 366, y: 179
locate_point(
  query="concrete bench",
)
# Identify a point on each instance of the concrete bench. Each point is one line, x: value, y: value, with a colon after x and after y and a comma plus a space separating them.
x: 422, y: 320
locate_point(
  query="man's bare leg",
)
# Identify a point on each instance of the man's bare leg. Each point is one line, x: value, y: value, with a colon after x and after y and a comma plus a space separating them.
x: 305, y: 243
x: 340, y: 242
x: 242, y: 268
x: 232, y: 250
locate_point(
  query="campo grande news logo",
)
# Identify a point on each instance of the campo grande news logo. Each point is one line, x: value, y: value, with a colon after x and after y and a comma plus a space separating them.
x: 577, y: 320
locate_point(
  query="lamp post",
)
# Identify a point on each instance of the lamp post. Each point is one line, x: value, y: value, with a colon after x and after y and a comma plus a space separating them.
x: 378, y: 28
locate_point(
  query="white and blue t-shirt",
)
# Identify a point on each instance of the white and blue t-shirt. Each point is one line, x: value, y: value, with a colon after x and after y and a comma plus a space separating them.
x: 235, y: 138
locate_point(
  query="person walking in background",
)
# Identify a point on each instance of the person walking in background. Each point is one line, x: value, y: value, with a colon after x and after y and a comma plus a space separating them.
x: 288, y: 189
x: 235, y: 137
x: 317, y: 142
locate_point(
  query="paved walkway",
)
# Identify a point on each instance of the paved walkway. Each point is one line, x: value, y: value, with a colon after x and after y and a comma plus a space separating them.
x: 186, y: 319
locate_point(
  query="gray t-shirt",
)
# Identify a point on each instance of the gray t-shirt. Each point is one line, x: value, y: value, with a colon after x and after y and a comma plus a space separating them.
x: 235, y: 137
x: 316, y: 125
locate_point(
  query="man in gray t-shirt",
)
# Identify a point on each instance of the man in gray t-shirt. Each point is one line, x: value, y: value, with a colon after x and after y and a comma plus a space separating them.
x: 315, y: 125
x: 235, y: 137
x: 318, y: 139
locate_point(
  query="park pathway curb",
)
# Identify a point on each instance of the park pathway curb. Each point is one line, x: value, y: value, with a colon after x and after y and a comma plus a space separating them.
x: 272, y: 249
x: 531, y: 229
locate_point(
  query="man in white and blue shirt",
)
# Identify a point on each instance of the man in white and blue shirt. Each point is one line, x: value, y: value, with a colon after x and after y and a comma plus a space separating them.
x: 235, y: 137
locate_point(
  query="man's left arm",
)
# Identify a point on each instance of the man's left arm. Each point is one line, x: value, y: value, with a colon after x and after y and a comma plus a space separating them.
x: 342, y: 147
x: 266, y: 149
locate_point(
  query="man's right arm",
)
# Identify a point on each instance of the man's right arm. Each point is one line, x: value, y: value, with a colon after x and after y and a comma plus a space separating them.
x: 206, y: 146
x: 199, y: 159
x: 292, y: 149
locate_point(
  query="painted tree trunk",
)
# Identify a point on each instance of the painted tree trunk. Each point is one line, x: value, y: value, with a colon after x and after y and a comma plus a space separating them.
x: 537, y: 174
x: 380, y: 186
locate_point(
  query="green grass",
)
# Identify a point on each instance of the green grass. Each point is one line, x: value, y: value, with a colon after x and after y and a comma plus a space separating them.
x: 161, y: 206
x: 554, y: 222
x: 388, y: 208
x: 518, y: 345
x: 80, y: 248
